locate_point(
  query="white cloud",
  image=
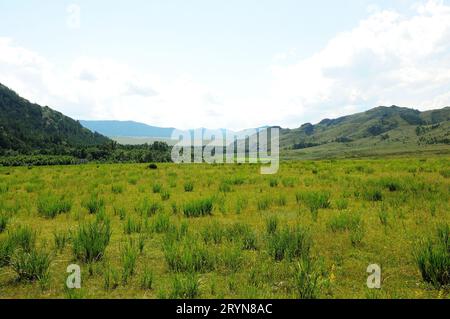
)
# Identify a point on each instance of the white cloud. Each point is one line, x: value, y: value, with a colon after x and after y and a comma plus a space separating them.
x: 388, y: 58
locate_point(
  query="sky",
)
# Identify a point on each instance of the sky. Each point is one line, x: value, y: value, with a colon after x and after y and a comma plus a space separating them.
x: 226, y: 64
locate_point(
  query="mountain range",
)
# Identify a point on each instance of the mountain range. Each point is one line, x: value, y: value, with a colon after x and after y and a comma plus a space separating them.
x: 26, y: 126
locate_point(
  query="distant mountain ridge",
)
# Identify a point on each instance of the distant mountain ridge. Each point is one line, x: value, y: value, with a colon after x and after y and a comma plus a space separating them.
x: 25, y: 126
x: 127, y: 129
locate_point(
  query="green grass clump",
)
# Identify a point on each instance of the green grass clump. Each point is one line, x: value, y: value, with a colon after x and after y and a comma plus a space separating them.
x: 50, y: 206
x: 189, y: 255
x: 344, y: 222
x: 31, y: 265
x: 147, y: 279
x: 132, y: 225
x: 111, y: 278
x: 147, y: 208
x: 117, y: 189
x: 157, y: 188
x: 60, y: 239
x: 433, y: 258
x: 129, y: 255
x: 373, y: 195
x: 264, y: 203
x: 165, y: 195
x: 289, y: 243
x: 188, y: 187
x: 7, y: 248
x: 94, y: 204
x: 160, y: 223
x: 185, y: 287
x: 3, y: 222
x: 23, y: 237
x: 91, y: 239
x: 271, y: 225
x: 198, y: 208
x: 308, y: 279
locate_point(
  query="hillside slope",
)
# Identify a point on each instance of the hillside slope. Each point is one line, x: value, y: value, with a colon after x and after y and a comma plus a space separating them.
x: 25, y: 126
x: 382, y: 130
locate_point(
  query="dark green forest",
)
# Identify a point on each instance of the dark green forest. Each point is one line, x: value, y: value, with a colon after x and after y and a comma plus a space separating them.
x: 34, y: 135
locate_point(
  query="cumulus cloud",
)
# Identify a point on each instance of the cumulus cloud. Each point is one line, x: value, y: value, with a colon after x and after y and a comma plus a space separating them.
x: 388, y: 58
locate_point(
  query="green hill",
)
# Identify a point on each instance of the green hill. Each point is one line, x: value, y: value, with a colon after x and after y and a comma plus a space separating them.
x: 379, y: 131
x: 25, y: 127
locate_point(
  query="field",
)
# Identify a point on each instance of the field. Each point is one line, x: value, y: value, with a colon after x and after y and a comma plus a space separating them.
x: 225, y: 231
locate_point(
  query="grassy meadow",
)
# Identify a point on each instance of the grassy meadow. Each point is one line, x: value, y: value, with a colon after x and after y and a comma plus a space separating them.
x: 225, y: 231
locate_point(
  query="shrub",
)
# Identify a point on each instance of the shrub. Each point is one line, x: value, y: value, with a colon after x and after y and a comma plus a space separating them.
x: 185, y: 287
x: 3, y: 222
x: 91, y: 240
x: 198, y: 208
x: 188, y: 187
x: 308, y: 279
x: 433, y: 257
x: 49, y: 206
x: 94, y: 204
x: 290, y: 243
x: 31, y: 265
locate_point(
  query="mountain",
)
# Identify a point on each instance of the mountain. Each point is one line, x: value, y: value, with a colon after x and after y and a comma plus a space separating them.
x: 127, y: 129
x: 379, y: 131
x: 26, y: 126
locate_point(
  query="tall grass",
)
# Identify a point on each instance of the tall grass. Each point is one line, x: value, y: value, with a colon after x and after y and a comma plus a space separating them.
x: 185, y: 287
x: 147, y: 208
x: 308, y: 279
x: 3, y: 222
x: 290, y: 243
x: 433, y: 257
x: 31, y: 265
x: 49, y: 206
x: 198, y: 208
x: 94, y: 204
x: 91, y: 239
x: 189, y: 255
x: 129, y: 255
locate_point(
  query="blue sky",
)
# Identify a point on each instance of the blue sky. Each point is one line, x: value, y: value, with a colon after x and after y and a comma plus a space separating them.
x: 230, y: 64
